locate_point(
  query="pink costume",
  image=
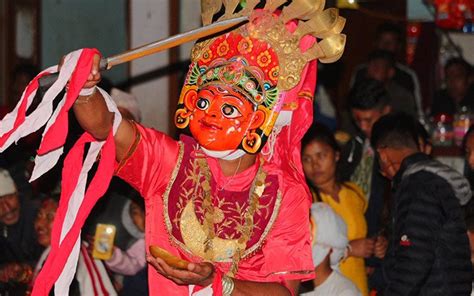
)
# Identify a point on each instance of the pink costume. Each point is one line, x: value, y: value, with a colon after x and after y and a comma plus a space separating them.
x: 285, y: 252
x: 252, y: 225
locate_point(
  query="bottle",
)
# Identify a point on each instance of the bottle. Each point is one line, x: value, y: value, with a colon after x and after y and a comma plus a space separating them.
x: 104, y: 241
x: 462, y: 122
x: 443, y: 130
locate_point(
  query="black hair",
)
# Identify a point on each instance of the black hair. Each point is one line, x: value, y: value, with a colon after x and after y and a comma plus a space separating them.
x: 422, y: 133
x: 384, y: 55
x: 51, y: 196
x: 320, y: 133
x: 460, y: 62
x: 368, y: 94
x: 389, y: 28
x: 397, y: 130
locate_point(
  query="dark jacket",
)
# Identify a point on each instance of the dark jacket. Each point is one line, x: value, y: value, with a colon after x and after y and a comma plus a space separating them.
x: 18, y: 242
x: 428, y: 251
x: 351, y: 156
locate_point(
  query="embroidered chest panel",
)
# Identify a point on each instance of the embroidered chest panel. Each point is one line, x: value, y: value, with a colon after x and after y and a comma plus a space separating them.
x: 214, y: 224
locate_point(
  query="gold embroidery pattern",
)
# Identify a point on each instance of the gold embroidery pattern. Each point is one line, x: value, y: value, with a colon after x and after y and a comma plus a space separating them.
x: 168, y: 188
x: 214, y: 243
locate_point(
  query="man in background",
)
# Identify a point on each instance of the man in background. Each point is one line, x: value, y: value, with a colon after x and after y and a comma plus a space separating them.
x: 381, y: 66
x: 368, y: 101
x: 389, y: 37
x: 428, y: 252
x: 19, y: 248
x: 458, y: 92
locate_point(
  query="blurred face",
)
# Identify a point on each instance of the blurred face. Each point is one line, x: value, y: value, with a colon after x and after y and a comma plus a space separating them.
x: 380, y: 70
x: 389, y: 42
x: 457, y: 82
x: 138, y: 216
x: 469, y: 150
x: 389, y: 162
x: 365, y: 119
x: 9, y: 209
x: 221, y: 117
x: 44, y: 221
x: 319, y: 162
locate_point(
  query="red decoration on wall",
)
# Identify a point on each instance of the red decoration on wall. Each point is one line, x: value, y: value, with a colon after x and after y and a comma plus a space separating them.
x: 452, y: 14
x: 413, y: 33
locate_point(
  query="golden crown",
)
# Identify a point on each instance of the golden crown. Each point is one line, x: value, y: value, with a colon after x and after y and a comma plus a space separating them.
x: 312, y: 19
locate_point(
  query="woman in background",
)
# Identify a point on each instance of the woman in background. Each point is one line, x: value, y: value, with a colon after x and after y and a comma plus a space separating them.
x: 320, y: 154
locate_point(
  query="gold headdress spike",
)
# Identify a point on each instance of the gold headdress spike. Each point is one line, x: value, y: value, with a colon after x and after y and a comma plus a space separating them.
x: 325, y: 25
x: 208, y: 9
x: 301, y: 9
x: 230, y: 6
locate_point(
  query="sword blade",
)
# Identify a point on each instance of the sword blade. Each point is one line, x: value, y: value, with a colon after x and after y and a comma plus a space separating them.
x: 172, y: 41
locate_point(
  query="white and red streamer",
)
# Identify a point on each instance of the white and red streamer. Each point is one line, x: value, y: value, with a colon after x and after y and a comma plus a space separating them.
x: 76, y: 200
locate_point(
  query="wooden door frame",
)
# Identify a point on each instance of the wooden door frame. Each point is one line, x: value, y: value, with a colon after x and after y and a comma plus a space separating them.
x: 3, y: 49
x: 173, y: 58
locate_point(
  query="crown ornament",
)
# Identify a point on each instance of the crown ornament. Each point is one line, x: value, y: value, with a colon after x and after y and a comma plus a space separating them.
x: 264, y: 59
x: 269, y: 26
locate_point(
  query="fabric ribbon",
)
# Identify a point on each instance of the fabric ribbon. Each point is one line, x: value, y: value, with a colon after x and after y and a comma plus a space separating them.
x: 76, y: 201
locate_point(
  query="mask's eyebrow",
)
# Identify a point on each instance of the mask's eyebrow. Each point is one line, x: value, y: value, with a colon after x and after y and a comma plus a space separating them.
x: 207, y: 92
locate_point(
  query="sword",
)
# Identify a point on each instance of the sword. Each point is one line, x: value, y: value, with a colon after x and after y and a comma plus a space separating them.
x: 157, y: 46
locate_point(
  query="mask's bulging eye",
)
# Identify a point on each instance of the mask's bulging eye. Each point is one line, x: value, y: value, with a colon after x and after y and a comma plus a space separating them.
x: 230, y: 111
x: 202, y: 104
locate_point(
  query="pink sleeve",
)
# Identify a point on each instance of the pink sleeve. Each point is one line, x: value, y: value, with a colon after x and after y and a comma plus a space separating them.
x: 289, y: 241
x: 128, y: 262
x: 150, y: 161
x: 286, y: 254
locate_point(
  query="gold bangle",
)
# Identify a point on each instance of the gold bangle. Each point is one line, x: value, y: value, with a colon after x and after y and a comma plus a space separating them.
x: 227, y: 285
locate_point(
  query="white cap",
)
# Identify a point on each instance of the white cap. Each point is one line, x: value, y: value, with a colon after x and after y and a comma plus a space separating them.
x: 126, y: 101
x: 7, y: 186
x: 330, y: 233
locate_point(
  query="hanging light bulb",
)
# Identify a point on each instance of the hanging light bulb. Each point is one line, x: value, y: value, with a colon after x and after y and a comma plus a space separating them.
x: 350, y: 4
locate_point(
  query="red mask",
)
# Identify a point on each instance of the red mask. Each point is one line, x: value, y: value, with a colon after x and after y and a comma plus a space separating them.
x: 219, y: 112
